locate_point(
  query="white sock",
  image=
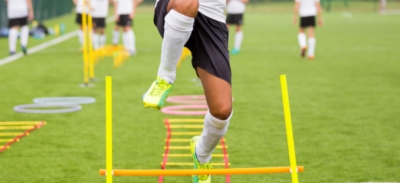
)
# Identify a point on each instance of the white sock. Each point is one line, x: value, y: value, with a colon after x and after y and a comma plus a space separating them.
x: 115, y: 37
x: 177, y: 31
x: 238, y: 40
x: 24, y: 35
x: 95, y: 40
x: 302, y: 40
x: 102, y: 40
x: 12, y: 40
x: 132, y: 38
x: 311, y: 46
x: 80, y: 36
x: 125, y: 40
x: 129, y: 41
x: 214, y: 129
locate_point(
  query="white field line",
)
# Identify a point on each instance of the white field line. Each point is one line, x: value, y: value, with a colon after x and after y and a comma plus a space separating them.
x: 44, y: 45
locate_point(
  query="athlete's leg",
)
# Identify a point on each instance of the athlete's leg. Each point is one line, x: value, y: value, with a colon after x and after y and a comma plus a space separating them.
x: 238, y: 37
x: 116, y: 35
x: 12, y: 39
x: 24, y: 35
x: 80, y: 35
x: 95, y: 38
x: 218, y: 94
x: 102, y: 37
x: 302, y: 38
x: 302, y: 41
x: 311, y: 42
x: 177, y: 28
x: 129, y: 40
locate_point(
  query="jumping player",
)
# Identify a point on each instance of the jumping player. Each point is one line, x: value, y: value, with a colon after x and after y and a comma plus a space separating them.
x: 200, y: 26
x: 235, y: 10
x: 307, y: 9
x: 124, y: 11
x: 99, y: 14
x: 19, y: 12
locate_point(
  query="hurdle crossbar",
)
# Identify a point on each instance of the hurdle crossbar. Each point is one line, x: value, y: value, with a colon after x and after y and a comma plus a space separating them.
x: 230, y: 171
x: 18, y: 123
x: 190, y: 155
x: 189, y: 164
x: 109, y: 172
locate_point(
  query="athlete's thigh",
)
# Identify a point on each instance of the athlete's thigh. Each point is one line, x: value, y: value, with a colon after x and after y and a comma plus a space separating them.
x: 218, y: 93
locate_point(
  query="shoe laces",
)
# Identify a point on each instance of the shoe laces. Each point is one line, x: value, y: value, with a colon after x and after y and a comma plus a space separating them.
x: 204, y: 166
x: 159, y: 89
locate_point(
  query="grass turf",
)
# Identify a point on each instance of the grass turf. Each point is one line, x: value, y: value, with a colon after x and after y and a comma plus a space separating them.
x: 344, y: 104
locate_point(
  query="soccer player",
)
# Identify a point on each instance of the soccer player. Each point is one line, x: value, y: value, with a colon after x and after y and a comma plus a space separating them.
x: 19, y: 12
x: 81, y: 6
x: 124, y: 11
x: 235, y: 10
x: 307, y: 9
x: 200, y: 26
x: 99, y: 14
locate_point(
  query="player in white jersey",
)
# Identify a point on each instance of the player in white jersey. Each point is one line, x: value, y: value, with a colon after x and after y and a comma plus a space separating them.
x: 19, y: 12
x: 124, y: 11
x: 81, y: 6
x: 307, y: 10
x: 99, y: 13
x: 235, y: 10
x: 200, y: 26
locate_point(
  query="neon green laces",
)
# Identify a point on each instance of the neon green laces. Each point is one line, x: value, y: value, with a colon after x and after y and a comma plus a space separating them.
x: 160, y: 88
x: 204, y: 166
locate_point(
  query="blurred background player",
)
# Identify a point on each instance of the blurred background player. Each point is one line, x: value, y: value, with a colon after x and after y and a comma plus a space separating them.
x: 235, y: 10
x: 80, y: 4
x: 124, y: 11
x: 99, y: 14
x: 307, y: 9
x: 19, y: 12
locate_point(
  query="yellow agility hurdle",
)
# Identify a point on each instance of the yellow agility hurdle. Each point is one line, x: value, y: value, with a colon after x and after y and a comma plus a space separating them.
x: 109, y: 172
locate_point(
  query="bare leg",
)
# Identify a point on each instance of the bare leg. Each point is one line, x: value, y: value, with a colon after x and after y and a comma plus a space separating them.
x: 218, y: 94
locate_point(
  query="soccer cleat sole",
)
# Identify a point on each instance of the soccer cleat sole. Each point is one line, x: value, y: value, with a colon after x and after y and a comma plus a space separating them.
x: 146, y: 105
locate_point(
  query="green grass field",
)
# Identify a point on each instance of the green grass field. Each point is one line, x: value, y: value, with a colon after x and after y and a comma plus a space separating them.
x: 345, y: 104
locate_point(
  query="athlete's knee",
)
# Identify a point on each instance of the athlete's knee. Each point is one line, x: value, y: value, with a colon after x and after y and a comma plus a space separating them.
x: 186, y: 7
x: 222, y: 112
x: 127, y: 28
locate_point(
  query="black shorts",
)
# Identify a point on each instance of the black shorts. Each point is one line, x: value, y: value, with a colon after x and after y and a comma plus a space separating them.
x: 78, y: 19
x: 235, y: 19
x: 307, y: 21
x: 208, y: 42
x: 17, y: 22
x: 99, y: 22
x: 124, y: 20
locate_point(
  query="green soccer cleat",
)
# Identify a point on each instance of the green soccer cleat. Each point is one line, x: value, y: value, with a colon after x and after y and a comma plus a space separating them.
x: 198, y: 165
x: 24, y: 50
x: 157, y: 93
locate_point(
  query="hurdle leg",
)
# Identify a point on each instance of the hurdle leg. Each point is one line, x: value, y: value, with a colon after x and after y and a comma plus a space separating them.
x: 109, y: 171
x: 85, y: 53
x: 90, y: 47
x: 289, y: 131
